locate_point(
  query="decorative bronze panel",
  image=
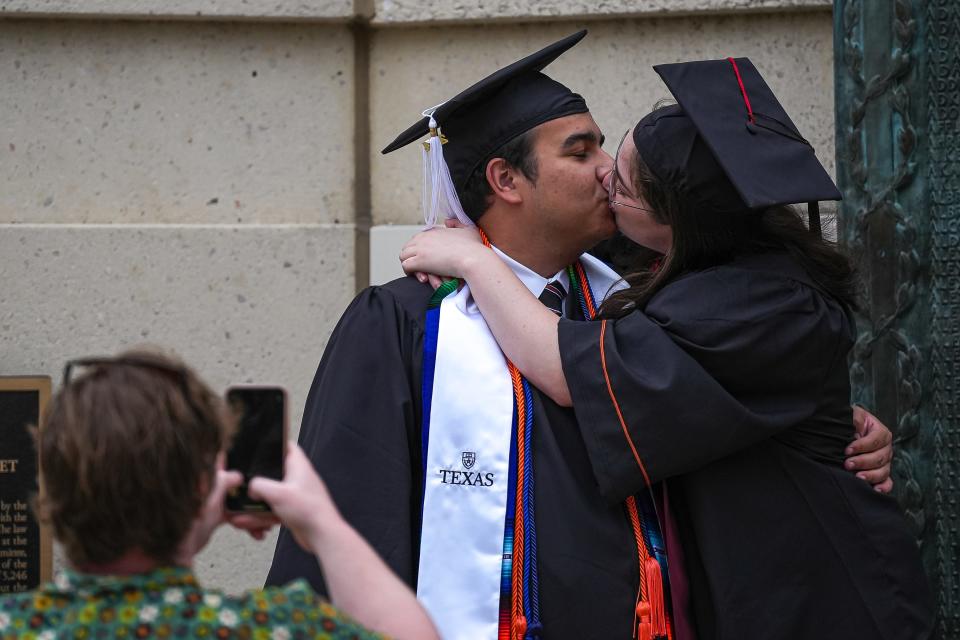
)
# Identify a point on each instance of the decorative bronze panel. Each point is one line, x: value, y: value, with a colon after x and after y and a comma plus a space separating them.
x: 897, y: 69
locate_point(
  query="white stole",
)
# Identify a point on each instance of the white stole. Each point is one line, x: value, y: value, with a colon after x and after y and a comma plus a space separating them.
x: 467, y: 467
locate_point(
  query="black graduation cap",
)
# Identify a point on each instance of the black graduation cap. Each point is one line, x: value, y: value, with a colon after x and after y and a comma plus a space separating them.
x: 729, y: 143
x: 511, y: 101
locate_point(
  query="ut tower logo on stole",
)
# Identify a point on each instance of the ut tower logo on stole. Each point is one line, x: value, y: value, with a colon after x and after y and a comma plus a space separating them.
x: 467, y: 478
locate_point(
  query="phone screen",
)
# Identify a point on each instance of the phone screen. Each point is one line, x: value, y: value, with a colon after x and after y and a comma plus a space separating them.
x: 258, y: 445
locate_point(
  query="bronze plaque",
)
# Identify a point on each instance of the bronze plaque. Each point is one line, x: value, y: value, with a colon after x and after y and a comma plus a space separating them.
x: 26, y: 553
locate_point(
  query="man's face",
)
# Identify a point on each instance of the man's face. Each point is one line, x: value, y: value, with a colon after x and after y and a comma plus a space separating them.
x: 568, y: 201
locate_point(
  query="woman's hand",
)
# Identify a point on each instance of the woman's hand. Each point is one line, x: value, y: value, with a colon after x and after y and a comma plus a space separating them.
x: 442, y: 251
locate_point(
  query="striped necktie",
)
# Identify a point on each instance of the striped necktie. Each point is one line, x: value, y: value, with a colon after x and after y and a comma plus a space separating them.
x: 552, y: 297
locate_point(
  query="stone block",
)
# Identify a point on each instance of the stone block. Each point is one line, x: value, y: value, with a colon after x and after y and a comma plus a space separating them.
x: 328, y: 10
x: 385, y: 244
x: 144, y: 122
x: 412, y: 69
x: 241, y: 304
x: 401, y: 12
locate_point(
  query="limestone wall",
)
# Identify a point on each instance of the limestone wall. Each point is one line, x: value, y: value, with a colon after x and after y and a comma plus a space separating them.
x: 186, y: 184
x: 203, y: 174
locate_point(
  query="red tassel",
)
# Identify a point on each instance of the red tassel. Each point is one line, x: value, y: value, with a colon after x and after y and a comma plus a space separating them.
x: 519, y: 627
x: 644, y: 627
x: 644, y: 631
x: 658, y: 611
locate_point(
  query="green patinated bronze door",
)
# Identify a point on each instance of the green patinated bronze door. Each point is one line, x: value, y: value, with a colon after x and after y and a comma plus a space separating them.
x: 897, y: 66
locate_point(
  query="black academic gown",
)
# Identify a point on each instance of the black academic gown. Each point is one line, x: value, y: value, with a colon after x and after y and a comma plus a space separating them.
x: 779, y: 540
x: 361, y: 428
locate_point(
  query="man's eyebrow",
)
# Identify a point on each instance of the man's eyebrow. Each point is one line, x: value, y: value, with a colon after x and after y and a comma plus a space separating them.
x: 583, y: 136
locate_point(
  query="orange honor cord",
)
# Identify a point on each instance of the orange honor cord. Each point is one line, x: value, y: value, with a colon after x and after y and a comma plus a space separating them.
x: 641, y: 614
x: 616, y: 405
x: 650, y: 617
x: 587, y: 292
x: 519, y: 626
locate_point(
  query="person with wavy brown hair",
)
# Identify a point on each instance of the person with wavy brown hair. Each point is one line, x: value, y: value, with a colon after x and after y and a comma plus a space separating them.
x: 131, y: 457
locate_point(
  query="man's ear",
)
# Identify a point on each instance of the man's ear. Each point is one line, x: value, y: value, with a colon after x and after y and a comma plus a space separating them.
x: 503, y: 179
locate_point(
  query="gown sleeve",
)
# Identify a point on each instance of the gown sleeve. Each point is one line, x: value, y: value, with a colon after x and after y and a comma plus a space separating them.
x: 361, y: 431
x: 716, y: 362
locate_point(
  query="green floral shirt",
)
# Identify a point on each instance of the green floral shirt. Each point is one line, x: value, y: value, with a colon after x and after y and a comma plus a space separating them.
x: 168, y: 603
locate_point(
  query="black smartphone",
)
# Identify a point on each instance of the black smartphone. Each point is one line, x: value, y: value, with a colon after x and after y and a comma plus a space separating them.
x: 259, y: 444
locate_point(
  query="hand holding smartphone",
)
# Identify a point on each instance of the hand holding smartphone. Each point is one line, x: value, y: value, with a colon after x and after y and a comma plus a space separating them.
x: 259, y: 444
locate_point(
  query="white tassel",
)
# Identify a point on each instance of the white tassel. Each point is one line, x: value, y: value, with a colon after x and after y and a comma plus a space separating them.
x: 439, y: 197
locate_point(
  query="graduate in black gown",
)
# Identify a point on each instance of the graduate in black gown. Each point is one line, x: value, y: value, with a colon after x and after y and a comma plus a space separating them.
x: 363, y: 418
x: 719, y: 381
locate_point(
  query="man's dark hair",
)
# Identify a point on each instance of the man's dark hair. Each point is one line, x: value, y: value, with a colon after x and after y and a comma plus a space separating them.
x: 476, y: 191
